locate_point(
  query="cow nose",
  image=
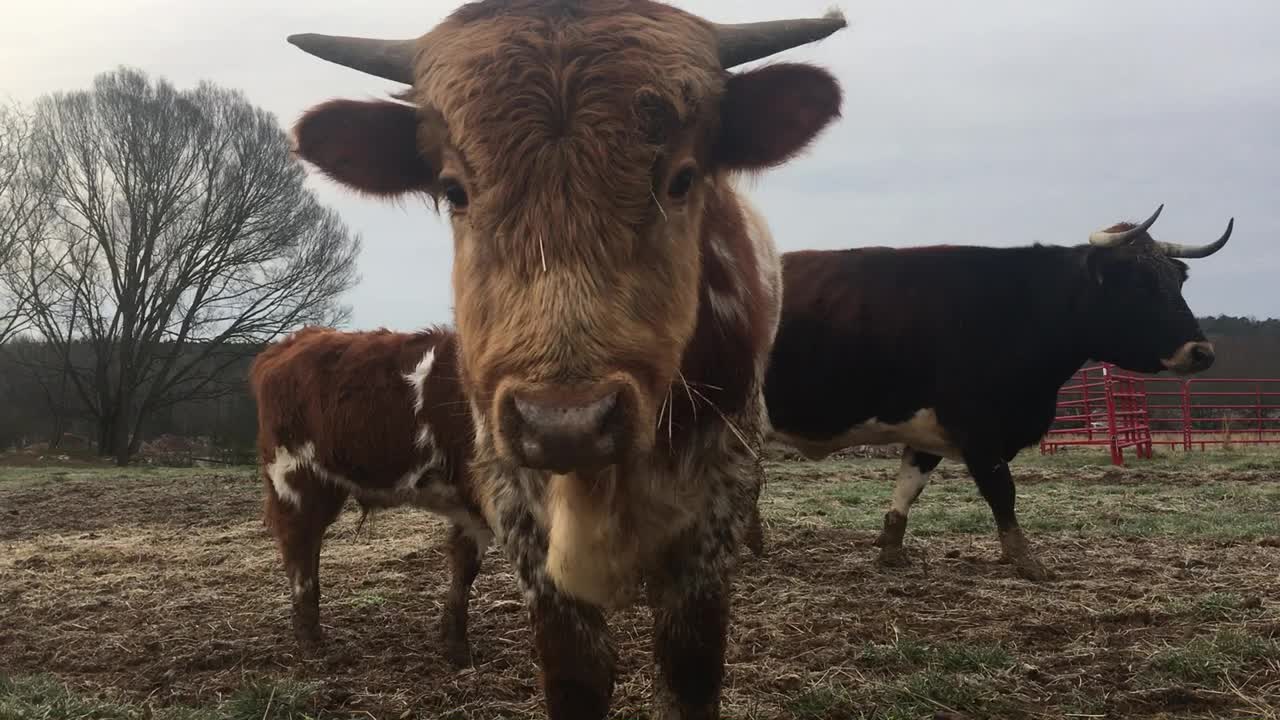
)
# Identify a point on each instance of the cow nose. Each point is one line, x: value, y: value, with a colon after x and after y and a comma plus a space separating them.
x: 1201, y: 356
x: 1192, y: 357
x: 566, y: 430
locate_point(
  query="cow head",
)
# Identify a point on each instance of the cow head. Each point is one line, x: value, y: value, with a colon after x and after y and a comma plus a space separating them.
x: 575, y: 145
x: 1144, y: 321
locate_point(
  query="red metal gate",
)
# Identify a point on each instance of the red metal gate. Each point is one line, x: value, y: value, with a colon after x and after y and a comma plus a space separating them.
x: 1103, y: 405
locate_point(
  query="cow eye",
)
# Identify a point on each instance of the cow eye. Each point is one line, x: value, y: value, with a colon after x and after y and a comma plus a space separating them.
x: 681, y: 183
x: 454, y: 193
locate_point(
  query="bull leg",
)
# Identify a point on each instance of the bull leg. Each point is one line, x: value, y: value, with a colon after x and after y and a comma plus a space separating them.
x: 571, y: 637
x: 755, y: 528
x: 576, y: 655
x: 298, y: 518
x: 912, y: 477
x: 465, y: 555
x: 996, y: 485
x: 689, y: 591
x: 755, y: 533
x: 690, y: 634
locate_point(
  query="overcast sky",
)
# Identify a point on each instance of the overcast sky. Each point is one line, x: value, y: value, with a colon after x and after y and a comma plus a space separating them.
x: 993, y: 122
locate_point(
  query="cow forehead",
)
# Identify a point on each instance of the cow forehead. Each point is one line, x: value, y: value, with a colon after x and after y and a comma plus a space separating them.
x: 553, y: 114
x: 538, y: 78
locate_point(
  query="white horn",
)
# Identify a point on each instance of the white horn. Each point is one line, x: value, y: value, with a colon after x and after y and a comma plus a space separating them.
x: 1103, y: 238
x: 1175, y: 250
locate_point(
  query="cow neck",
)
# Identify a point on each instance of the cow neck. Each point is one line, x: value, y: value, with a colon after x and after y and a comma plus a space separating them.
x: 719, y: 373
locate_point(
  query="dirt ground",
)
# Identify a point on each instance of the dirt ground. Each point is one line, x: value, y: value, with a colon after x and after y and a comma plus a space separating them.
x: 150, y: 589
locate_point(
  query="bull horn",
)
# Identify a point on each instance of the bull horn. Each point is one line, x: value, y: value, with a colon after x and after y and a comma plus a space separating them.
x: 389, y: 59
x: 1174, y: 250
x: 1104, y: 238
x: 743, y: 42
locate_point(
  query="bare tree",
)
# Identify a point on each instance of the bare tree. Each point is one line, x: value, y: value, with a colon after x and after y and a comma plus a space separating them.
x: 181, y: 234
x: 24, y: 211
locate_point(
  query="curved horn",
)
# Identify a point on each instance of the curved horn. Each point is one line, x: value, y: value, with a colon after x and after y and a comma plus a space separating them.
x: 1102, y: 238
x: 390, y: 59
x: 743, y: 42
x: 1175, y: 250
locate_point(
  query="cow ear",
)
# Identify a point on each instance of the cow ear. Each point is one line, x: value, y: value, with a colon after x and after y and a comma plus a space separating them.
x: 770, y: 114
x: 1109, y: 266
x: 1093, y: 262
x: 377, y: 147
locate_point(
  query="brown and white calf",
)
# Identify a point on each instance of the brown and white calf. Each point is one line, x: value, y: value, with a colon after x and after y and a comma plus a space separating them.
x: 615, y: 295
x: 376, y: 416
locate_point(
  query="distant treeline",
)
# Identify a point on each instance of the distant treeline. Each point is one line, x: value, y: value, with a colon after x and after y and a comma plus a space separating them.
x: 40, y: 404
x: 1246, y: 347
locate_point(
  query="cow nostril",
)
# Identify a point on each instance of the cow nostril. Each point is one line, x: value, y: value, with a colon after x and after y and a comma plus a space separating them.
x: 563, y: 429
x: 566, y: 418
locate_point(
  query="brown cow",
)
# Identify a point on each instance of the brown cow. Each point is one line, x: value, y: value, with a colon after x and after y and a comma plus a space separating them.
x: 378, y: 416
x: 615, y: 295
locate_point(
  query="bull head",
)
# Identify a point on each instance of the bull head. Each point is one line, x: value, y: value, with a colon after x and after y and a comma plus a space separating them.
x: 582, y: 150
x: 1142, y: 321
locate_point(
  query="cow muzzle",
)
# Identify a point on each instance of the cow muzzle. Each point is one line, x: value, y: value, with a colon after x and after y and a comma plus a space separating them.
x: 579, y: 428
x: 1192, y: 357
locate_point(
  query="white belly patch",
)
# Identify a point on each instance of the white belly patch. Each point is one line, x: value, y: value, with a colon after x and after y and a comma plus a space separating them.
x: 921, y: 431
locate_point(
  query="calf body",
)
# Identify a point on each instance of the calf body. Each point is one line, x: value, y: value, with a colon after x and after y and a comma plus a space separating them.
x: 376, y: 416
x: 959, y: 352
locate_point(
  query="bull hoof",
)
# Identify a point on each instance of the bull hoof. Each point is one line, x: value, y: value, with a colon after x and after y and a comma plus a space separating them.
x: 310, y: 641
x: 1032, y: 569
x: 458, y: 655
x: 755, y: 544
x: 894, y: 557
x: 455, y: 646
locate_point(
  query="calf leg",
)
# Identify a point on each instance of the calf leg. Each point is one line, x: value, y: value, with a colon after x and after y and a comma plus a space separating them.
x: 465, y: 555
x: 912, y: 477
x: 299, y: 509
x: 996, y: 485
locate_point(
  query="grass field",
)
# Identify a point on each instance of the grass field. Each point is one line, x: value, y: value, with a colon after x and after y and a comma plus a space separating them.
x: 155, y: 593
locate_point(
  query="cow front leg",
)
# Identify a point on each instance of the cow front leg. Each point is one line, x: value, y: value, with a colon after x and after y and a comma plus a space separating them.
x: 465, y: 553
x: 913, y: 475
x: 576, y: 655
x: 996, y: 485
x: 690, y: 634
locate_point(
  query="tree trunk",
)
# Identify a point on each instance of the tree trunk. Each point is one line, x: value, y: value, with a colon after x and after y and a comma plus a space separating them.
x: 120, y: 436
x: 135, y: 442
x: 106, y: 433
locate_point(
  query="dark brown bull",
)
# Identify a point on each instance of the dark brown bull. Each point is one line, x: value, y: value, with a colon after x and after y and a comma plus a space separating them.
x: 615, y: 296
x: 959, y: 352
x: 378, y: 416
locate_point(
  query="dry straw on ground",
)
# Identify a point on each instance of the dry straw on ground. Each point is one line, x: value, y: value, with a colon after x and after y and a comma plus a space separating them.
x: 164, y: 590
